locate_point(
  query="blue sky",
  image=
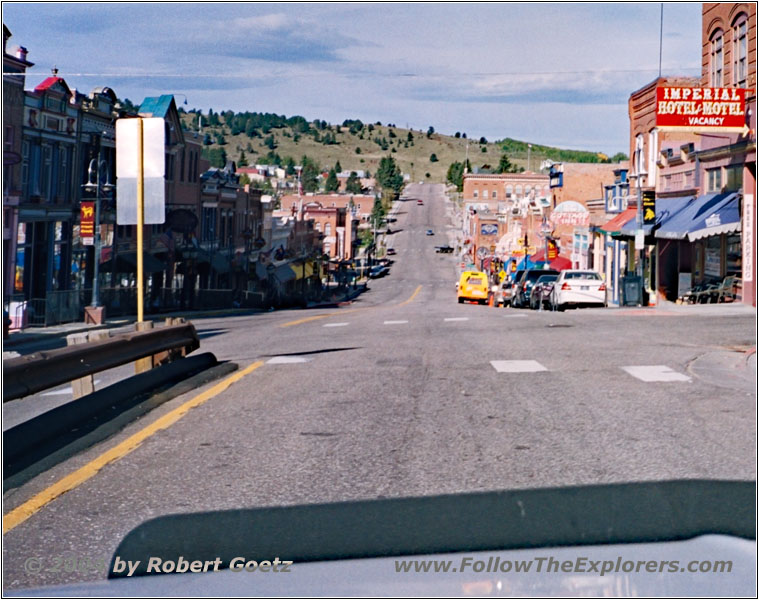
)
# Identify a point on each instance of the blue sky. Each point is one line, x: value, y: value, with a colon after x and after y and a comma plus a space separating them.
x: 556, y: 74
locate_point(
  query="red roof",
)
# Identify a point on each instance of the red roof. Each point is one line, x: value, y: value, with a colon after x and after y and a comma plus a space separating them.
x: 615, y: 224
x: 50, y: 82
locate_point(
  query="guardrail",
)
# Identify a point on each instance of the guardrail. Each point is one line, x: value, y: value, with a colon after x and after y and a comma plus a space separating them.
x: 39, y: 371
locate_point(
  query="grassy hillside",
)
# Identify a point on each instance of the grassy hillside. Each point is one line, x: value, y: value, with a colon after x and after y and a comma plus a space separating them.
x: 362, y: 146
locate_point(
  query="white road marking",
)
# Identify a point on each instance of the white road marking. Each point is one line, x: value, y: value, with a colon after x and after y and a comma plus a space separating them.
x: 335, y: 325
x: 655, y: 373
x: 395, y: 322
x: 517, y: 366
x: 64, y: 391
x: 456, y: 319
x: 284, y: 360
x: 514, y: 316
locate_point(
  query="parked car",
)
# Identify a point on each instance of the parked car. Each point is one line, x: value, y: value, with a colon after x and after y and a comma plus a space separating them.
x: 378, y: 271
x: 540, y: 296
x: 473, y: 286
x: 521, y: 293
x: 430, y: 232
x: 503, y: 293
x: 578, y: 288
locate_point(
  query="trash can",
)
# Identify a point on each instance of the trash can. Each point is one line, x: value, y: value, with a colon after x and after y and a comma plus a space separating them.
x: 632, y: 286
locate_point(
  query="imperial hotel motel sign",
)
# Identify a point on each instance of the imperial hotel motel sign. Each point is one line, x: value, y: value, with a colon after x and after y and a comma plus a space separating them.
x: 701, y: 109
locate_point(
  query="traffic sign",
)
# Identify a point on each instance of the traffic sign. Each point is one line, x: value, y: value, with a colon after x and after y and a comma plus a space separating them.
x: 128, y: 159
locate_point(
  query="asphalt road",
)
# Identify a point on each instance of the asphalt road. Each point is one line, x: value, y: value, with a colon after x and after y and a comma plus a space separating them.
x: 404, y: 393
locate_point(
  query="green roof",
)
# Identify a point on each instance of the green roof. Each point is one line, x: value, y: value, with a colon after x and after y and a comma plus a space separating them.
x: 156, y: 107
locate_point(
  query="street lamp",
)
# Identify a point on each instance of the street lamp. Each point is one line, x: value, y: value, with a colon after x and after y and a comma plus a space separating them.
x: 95, y: 170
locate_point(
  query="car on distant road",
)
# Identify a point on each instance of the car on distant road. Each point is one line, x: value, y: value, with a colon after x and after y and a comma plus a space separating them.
x: 430, y: 232
x: 446, y: 249
x: 420, y: 202
x: 578, y: 287
x: 521, y: 294
x: 540, y: 296
x: 390, y: 251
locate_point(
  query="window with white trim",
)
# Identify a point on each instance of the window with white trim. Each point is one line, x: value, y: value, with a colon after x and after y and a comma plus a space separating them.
x: 740, y: 51
x: 716, y: 59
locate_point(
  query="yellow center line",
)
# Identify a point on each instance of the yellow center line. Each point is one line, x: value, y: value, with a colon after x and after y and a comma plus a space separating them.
x: 345, y: 312
x: 416, y: 291
x: 20, y: 514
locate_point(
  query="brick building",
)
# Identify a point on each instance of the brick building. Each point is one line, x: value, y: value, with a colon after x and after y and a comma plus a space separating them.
x: 15, y: 65
x: 727, y: 162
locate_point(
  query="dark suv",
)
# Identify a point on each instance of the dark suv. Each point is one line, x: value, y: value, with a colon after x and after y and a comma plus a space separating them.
x: 520, y: 296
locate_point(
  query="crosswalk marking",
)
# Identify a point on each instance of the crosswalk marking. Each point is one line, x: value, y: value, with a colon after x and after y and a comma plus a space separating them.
x: 651, y: 373
x: 456, y: 319
x: 517, y: 366
x: 285, y: 360
x: 394, y: 322
x: 335, y: 325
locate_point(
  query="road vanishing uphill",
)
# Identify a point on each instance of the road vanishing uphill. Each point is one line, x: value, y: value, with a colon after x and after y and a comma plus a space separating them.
x: 403, y: 393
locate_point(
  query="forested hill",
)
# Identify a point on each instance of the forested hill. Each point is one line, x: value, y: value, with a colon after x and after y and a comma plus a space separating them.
x: 253, y: 137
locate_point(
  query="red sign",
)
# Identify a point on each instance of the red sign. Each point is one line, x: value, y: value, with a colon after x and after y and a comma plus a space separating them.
x: 692, y: 108
x: 87, y: 223
x: 553, y: 251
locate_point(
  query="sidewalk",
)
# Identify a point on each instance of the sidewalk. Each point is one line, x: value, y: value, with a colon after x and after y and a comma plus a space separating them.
x: 666, y: 308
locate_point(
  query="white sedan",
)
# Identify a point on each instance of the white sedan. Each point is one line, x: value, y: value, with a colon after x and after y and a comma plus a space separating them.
x: 579, y: 288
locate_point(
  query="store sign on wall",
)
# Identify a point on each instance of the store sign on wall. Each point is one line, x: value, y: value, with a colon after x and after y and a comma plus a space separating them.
x: 87, y: 223
x: 748, y: 237
x: 701, y: 109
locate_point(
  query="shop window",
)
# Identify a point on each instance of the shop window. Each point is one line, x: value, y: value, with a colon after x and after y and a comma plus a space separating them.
x: 716, y: 59
x: 733, y: 265
x: 740, y: 51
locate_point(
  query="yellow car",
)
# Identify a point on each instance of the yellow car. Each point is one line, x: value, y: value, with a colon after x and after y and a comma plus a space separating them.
x: 473, y: 286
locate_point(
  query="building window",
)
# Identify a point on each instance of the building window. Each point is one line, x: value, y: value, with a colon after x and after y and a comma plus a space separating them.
x: 328, y: 229
x: 476, y: 194
x: 740, y: 52
x: 716, y: 59
x: 509, y: 190
x: 653, y: 142
x: 318, y: 227
x: 518, y: 191
x: 484, y: 194
x: 714, y: 179
x: 495, y: 194
x: 733, y: 178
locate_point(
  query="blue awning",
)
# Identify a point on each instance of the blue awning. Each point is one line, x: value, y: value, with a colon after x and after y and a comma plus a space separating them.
x: 725, y: 218
x: 692, y: 216
x: 666, y: 209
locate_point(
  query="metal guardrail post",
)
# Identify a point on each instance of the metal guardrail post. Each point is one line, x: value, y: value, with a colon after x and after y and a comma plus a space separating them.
x: 146, y: 363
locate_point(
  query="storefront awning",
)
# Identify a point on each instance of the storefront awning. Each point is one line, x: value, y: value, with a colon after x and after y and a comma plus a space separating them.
x: 726, y: 218
x: 692, y: 217
x: 284, y: 273
x: 614, y: 225
x: 666, y: 209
